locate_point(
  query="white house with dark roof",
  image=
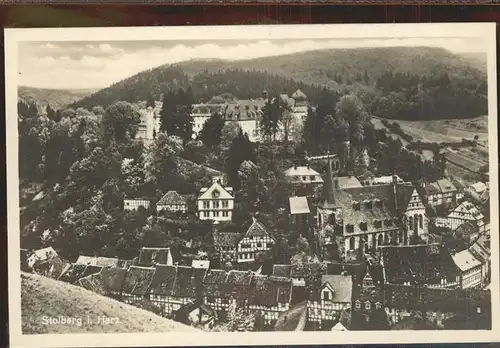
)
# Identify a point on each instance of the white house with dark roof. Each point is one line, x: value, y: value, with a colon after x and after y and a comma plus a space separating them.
x: 470, y: 269
x: 303, y: 175
x: 335, y: 295
x: 216, y: 202
x: 172, y: 201
x: 300, y: 105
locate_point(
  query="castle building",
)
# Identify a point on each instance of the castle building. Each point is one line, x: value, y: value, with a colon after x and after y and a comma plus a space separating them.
x: 370, y: 216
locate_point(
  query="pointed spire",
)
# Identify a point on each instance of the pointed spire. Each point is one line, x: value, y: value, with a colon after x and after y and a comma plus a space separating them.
x: 328, y: 186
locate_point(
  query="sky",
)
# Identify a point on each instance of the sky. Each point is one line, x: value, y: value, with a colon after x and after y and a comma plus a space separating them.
x: 97, y: 64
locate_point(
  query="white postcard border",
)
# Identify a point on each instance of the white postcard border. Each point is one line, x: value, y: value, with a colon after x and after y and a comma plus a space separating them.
x: 350, y: 31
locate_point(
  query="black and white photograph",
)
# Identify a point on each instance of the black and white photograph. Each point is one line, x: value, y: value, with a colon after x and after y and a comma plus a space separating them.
x: 328, y: 181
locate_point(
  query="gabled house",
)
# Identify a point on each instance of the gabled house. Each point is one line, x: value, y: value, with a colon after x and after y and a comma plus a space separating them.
x: 149, y: 257
x: 107, y: 282
x: 269, y: 297
x: 465, y: 212
x: 136, y: 203
x: 303, y: 175
x: 213, y: 291
x: 175, y: 286
x: 136, y: 284
x: 216, y: 202
x: 334, y: 296
x: 244, y: 248
x: 257, y: 239
x: 172, y: 201
x: 41, y: 255
x: 370, y: 216
x: 470, y: 269
x: 300, y: 213
x: 440, y: 192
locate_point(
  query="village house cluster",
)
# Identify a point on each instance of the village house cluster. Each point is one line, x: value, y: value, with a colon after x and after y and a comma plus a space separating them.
x: 393, y: 272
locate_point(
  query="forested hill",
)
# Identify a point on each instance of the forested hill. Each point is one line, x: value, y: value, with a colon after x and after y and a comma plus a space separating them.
x: 57, y: 98
x: 247, y: 78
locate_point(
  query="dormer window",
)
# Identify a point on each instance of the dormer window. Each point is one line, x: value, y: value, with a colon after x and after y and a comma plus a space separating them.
x: 378, y: 305
x: 363, y: 226
x: 358, y: 304
x: 379, y: 203
x: 368, y: 204
x: 349, y: 228
x: 368, y: 305
x: 356, y: 206
x: 215, y: 194
x: 377, y: 223
x: 388, y: 222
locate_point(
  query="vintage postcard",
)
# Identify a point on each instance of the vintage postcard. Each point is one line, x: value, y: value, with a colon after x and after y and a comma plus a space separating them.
x: 302, y: 184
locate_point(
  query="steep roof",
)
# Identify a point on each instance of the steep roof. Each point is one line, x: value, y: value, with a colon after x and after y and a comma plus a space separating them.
x: 72, y: 273
x: 171, y: 198
x: 222, y: 192
x: 446, y: 186
x: 301, y: 171
x: 299, y: 205
x: 237, y: 283
x: 429, y: 263
x: 481, y: 249
x: 299, y: 95
x: 465, y: 231
x: 479, y: 186
x: 269, y: 291
x: 342, y: 286
x: 138, y: 280
x: 213, y: 283
x: 163, y: 281
x: 257, y: 229
x: 97, y: 261
x: 152, y: 256
x: 244, y: 109
x: 113, y: 278
x: 226, y: 239
x: 345, y: 182
x: 465, y: 260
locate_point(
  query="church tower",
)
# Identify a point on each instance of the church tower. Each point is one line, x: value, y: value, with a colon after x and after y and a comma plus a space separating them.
x: 327, y: 206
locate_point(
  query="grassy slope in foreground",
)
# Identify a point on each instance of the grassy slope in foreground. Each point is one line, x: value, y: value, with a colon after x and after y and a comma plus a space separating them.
x: 41, y: 296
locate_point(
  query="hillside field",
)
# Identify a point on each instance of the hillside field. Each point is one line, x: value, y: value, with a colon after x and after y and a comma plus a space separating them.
x: 443, y: 130
x: 43, y: 298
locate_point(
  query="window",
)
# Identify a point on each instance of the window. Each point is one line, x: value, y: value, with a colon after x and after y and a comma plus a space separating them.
x: 356, y: 206
x: 349, y: 228
x: 304, y: 178
x: 225, y: 213
x: 358, y: 304
x: 205, y: 214
x: 421, y: 221
x: 388, y: 222
x: 410, y: 223
x: 368, y: 305
x: 313, y: 177
x: 259, y: 245
x: 377, y: 223
x: 379, y: 203
x: 216, y: 213
x: 363, y: 226
x: 245, y: 246
x: 225, y: 204
x: 352, y: 243
x: 215, y: 204
x: 206, y: 205
x: 326, y: 296
x: 368, y: 204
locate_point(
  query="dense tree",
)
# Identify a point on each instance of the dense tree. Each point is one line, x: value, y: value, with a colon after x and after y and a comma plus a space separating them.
x: 269, y: 123
x: 211, y: 132
x: 150, y: 102
x: 175, y: 114
x: 120, y: 122
x: 241, y: 149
